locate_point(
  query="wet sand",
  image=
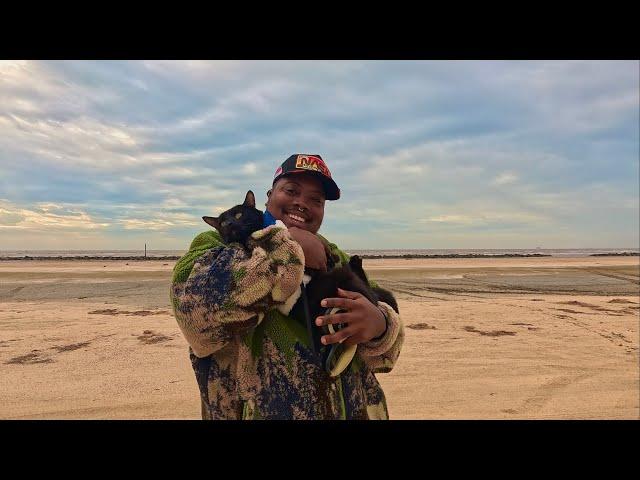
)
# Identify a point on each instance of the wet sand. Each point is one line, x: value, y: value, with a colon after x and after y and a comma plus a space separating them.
x: 549, y: 338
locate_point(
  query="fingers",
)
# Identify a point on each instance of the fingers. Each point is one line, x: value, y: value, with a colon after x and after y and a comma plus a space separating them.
x: 338, y: 337
x: 349, y: 294
x: 333, y: 319
x: 353, y: 340
x: 345, y: 300
x: 349, y: 334
x: 345, y: 336
x: 345, y: 303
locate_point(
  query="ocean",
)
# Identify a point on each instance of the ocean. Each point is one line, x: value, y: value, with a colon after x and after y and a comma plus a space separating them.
x: 559, y: 252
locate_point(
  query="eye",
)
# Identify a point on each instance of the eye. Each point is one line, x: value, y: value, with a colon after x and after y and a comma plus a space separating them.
x: 224, y: 223
x: 238, y: 215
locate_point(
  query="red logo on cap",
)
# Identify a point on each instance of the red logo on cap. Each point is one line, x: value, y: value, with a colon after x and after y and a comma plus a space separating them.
x: 278, y: 172
x: 310, y: 162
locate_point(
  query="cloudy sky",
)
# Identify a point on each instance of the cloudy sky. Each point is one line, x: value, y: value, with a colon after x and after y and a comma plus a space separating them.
x: 442, y: 154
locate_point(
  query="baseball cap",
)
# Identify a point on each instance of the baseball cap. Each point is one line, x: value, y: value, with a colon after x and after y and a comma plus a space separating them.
x: 305, y: 163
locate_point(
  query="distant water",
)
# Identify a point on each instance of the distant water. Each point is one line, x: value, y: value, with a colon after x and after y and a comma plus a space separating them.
x: 560, y: 252
x: 90, y: 253
x: 554, y: 252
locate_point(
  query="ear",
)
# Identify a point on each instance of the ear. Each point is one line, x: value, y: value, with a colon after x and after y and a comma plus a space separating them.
x: 355, y: 262
x: 213, y: 221
x: 250, y: 200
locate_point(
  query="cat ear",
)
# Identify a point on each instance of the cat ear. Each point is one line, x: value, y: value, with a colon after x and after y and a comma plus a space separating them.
x: 250, y: 200
x: 213, y: 221
x: 355, y: 262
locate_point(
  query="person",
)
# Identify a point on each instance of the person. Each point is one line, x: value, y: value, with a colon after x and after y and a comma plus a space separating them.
x: 251, y: 358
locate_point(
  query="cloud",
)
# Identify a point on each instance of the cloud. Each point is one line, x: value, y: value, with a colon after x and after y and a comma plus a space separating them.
x: 160, y: 222
x: 487, y: 218
x: 456, y: 219
x: 505, y: 178
x: 47, y: 218
x: 250, y: 168
x: 428, y: 150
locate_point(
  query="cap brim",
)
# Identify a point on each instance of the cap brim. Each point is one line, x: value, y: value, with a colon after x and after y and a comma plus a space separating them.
x: 331, y: 190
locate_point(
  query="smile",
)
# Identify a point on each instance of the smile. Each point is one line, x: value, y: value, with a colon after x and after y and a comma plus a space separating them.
x: 296, y: 218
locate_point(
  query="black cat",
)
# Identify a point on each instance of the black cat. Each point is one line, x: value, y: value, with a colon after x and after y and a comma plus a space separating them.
x: 355, y: 262
x: 239, y: 222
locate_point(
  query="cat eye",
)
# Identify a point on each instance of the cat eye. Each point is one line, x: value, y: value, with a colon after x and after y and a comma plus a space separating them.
x: 238, y: 215
x: 224, y: 223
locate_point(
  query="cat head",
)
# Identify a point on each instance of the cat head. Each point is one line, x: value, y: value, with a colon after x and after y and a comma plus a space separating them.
x: 239, y: 222
x: 355, y: 263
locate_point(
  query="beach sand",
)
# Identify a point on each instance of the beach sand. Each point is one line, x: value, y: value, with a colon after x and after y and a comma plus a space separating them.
x: 515, y: 338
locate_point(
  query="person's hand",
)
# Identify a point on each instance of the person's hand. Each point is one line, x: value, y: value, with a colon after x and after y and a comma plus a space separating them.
x: 314, y: 250
x: 364, y: 319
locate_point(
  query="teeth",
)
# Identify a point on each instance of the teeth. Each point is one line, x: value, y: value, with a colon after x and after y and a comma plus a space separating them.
x: 295, y: 217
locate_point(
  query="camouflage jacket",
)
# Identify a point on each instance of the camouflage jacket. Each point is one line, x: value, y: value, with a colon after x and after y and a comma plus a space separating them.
x: 251, y: 360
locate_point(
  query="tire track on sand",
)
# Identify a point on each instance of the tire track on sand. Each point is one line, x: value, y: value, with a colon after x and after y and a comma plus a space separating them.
x: 545, y: 392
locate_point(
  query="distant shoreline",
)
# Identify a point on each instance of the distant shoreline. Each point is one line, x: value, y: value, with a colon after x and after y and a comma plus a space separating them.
x: 87, y: 257
x: 364, y: 256
x: 623, y: 254
x: 498, y: 255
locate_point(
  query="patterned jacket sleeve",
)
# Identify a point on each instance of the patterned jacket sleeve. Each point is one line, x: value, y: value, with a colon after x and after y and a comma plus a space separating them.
x: 380, y: 355
x: 219, y: 291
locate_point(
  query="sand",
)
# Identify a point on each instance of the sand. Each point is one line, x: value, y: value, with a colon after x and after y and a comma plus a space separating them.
x: 515, y: 338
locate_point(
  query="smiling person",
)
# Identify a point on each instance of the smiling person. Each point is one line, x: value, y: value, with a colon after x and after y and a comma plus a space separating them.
x: 252, y: 358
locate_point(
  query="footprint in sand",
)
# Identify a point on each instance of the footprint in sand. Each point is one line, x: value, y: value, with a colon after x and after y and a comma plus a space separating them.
x: 568, y: 310
x: 106, y: 311
x: 149, y: 337
x: 577, y: 303
x: 421, y: 326
x: 493, y: 333
x: 621, y: 300
x: 144, y: 313
x: 71, y: 347
x: 621, y: 337
x: 550, y: 389
x: 37, y: 356
x: 29, y: 359
x: 137, y: 313
x: 597, y: 308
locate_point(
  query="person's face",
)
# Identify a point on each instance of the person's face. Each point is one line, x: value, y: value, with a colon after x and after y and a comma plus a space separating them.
x: 294, y: 192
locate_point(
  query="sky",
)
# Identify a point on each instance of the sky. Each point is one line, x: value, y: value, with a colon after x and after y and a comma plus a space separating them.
x: 427, y: 154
